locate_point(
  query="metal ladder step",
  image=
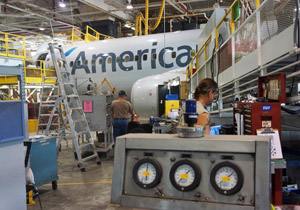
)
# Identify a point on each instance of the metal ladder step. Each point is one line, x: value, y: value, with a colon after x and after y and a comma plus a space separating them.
x: 72, y: 96
x: 75, y: 108
x: 69, y: 83
x: 45, y: 115
x: 47, y: 124
x: 47, y: 105
x: 48, y: 101
x: 50, y: 96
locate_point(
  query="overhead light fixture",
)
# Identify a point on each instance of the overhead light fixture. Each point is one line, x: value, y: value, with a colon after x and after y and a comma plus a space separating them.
x: 129, y: 5
x: 61, y: 3
x: 42, y: 28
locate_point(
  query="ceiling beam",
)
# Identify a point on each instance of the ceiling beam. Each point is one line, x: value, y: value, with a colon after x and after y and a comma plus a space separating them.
x: 38, y: 15
x: 102, y: 6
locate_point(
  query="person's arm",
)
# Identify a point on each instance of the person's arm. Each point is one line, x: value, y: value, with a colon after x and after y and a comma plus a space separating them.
x: 203, y: 120
x: 131, y: 111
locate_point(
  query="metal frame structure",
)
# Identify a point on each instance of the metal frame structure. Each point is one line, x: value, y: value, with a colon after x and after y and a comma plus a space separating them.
x: 268, y: 53
x: 163, y: 147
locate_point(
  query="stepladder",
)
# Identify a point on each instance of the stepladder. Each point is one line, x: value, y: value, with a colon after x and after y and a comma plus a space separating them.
x: 67, y: 108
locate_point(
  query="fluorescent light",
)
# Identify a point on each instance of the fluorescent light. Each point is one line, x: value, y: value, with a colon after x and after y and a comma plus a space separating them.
x: 127, y: 25
x: 61, y: 4
x: 133, y: 28
x: 42, y: 29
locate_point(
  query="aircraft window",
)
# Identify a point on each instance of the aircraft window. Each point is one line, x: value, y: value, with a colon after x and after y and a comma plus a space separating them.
x: 109, y: 60
x: 144, y: 57
x: 93, y: 62
x: 86, y: 62
x: 127, y: 58
x: 173, y: 54
x: 154, y: 56
x: 136, y: 58
x: 100, y: 61
x: 78, y: 63
x: 118, y: 60
x: 71, y: 63
x: 193, y: 53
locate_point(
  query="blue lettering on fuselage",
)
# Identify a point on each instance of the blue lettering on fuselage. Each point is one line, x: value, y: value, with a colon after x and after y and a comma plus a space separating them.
x: 126, y: 59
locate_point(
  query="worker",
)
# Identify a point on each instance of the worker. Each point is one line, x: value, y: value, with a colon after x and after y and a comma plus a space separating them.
x: 121, y: 109
x: 204, y: 94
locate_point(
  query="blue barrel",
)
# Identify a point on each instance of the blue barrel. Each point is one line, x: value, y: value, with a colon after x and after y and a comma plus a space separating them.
x: 190, y: 106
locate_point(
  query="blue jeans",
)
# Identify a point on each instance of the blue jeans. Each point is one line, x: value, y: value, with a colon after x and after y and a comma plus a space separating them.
x: 120, y: 127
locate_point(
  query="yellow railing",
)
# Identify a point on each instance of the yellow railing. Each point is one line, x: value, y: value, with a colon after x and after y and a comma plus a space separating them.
x: 12, y: 45
x: 190, y: 66
x: 35, y: 70
x: 76, y: 35
x: 229, y: 11
x: 90, y: 35
x: 189, y: 69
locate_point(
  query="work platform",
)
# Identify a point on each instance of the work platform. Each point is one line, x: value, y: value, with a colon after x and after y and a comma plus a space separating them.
x: 263, y: 44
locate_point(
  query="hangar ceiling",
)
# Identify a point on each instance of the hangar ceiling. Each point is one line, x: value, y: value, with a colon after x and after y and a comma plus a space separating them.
x: 28, y: 17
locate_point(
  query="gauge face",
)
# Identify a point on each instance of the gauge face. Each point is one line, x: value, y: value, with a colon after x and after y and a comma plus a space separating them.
x: 185, y: 175
x: 147, y: 173
x: 226, y: 178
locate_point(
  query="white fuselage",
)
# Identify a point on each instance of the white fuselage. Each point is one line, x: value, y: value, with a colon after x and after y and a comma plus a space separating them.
x: 125, y: 60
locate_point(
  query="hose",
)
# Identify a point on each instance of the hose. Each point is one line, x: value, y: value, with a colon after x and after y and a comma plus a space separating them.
x: 139, y: 18
x: 161, y: 11
x: 146, y: 17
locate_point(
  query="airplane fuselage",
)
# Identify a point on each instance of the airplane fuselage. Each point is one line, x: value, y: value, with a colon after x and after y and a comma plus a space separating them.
x: 123, y: 61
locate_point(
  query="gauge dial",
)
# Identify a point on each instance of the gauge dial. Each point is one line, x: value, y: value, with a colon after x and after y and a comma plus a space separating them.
x: 185, y: 175
x: 147, y: 173
x: 226, y: 178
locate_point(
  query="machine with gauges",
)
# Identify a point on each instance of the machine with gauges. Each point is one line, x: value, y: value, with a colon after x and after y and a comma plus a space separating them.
x: 164, y: 171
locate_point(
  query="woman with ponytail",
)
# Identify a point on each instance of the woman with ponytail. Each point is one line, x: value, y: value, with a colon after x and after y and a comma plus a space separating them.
x: 204, y: 94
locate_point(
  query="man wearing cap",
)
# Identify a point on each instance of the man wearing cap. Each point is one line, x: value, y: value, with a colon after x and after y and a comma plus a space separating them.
x: 120, y: 110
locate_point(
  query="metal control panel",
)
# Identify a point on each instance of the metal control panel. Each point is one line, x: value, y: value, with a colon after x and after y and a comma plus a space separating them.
x: 162, y: 171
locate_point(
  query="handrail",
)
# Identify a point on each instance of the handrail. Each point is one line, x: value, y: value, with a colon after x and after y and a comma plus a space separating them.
x: 35, y: 70
x: 12, y: 45
x: 74, y: 36
x: 204, y: 45
x: 88, y: 37
x: 230, y: 10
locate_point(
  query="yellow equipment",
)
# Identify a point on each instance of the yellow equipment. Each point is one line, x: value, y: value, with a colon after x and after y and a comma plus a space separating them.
x: 170, y: 105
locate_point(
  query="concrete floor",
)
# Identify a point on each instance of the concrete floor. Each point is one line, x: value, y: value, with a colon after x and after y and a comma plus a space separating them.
x: 88, y: 190
x: 78, y: 190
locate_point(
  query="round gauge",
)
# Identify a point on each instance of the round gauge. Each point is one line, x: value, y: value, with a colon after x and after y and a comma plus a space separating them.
x: 147, y: 173
x: 185, y: 175
x: 226, y: 178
